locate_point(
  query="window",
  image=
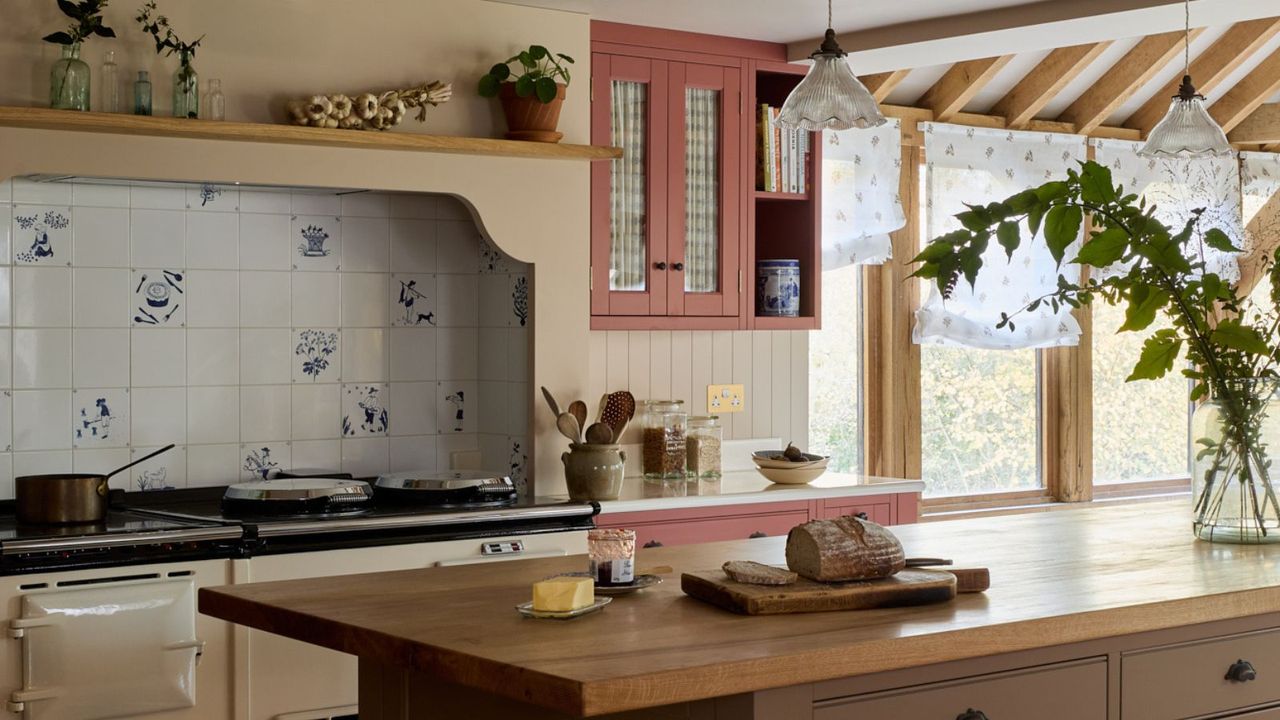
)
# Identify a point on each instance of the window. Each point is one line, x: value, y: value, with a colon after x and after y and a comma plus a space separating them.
x: 835, y: 372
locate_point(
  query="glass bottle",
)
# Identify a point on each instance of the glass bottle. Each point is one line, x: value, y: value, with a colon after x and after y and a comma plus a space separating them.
x: 186, y: 89
x: 215, y: 104
x: 142, y: 94
x: 110, y: 83
x: 69, y: 81
x: 663, y: 423
x: 702, y: 448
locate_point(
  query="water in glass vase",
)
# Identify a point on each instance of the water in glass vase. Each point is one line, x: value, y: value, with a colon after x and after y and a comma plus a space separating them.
x: 186, y: 90
x: 1234, y: 433
x: 69, y: 81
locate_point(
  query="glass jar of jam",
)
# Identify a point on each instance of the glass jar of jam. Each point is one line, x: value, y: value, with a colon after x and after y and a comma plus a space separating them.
x: 613, y: 555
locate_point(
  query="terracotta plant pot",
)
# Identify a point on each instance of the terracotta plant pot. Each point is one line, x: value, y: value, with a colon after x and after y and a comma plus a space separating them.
x: 529, y: 118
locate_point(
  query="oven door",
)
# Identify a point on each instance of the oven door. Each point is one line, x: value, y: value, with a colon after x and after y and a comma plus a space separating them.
x: 109, y: 650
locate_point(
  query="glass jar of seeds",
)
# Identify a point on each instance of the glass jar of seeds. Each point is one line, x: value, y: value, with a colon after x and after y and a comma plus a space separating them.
x: 663, y: 423
x: 702, y: 448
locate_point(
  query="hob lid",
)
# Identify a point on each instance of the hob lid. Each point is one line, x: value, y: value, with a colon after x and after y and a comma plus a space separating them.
x: 427, y: 482
x: 299, y: 489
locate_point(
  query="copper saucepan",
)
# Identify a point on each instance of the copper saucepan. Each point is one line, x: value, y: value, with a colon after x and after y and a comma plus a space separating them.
x: 65, y: 499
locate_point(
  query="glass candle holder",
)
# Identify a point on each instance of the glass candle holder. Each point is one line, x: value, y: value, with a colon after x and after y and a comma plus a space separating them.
x: 613, y: 555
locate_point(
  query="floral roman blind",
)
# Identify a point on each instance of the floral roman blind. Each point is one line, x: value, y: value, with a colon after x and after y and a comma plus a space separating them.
x: 860, y: 201
x: 1177, y: 187
x: 628, y: 179
x: 977, y: 165
x: 1260, y: 187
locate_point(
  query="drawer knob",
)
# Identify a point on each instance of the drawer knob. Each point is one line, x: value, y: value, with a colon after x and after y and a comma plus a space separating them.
x: 653, y: 544
x: 972, y: 714
x: 1241, y: 671
x: 757, y: 534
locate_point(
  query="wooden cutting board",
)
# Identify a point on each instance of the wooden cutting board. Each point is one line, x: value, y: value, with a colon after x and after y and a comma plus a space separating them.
x: 908, y: 587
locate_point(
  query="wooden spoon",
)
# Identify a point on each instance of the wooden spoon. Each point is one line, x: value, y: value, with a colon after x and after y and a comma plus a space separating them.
x: 599, y: 434
x: 578, y: 410
x: 551, y: 401
x: 619, y: 408
x: 569, y: 427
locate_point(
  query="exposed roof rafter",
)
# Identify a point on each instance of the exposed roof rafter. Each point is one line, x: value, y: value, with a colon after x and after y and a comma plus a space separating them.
x: 1262, y: 127
x: 882, y: 84
x: 959, y: 84
x: 1021, y: 104
x: 1247, y: 95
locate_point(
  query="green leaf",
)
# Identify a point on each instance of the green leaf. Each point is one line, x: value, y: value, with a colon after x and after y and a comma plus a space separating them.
x: 1104, y: 249
x: 565, y: 58
x: 1144, y: 303
x: 1219, y: 241
x: 1231, y: 334
x: 1211, y: 286
x: 526, y: 60
x: 524, y: 86
x: 488, y: 86
x: 69, y: 9
x: 1159, y: 353
x: 976, y: 218
x: 1095, y: 184
x: 1049, y: 192
x: 1009, y: 237
x: 546, y: 89
x: 500, y: 72
x: 1034, y: 216
x: 59, y: 38
x: 537, y: 52
x: 934, y: 251
x: 970, y: 264
x: 1061, y: 228
x: 102, y: 31
x: 1023, y: 201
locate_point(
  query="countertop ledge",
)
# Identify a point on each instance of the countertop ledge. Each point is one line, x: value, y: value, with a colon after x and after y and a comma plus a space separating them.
x: 1057, y: 578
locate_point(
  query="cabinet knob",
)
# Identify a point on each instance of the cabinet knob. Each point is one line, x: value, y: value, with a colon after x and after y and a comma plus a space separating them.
x: 1241, y: 671
x: 757, y: 534
x: 972, y: 714
x: 653, y: 544
x: 661, y: 265
x: 678, y: 267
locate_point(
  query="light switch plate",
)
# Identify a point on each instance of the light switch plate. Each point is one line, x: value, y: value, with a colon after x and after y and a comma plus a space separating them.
x: 723, y: 399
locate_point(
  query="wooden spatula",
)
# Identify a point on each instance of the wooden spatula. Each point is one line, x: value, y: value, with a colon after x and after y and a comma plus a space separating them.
x: 619, y: 408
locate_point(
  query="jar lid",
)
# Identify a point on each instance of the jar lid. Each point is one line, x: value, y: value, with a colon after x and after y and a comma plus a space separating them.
x: 662, y: 403
x: 705, y: 420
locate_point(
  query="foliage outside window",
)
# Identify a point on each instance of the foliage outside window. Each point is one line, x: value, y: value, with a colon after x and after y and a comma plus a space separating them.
x: 835, y: 372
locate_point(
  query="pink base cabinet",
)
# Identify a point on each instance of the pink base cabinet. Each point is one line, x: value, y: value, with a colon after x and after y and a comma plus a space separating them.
x: 686, y: 526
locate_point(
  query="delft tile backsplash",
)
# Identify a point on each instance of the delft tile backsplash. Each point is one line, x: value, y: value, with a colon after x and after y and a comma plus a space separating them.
x: 260, y: 330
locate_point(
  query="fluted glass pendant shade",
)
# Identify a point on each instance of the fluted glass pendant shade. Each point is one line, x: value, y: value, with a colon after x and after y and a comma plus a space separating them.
x: 1187, y: 130
x: 830, y: 97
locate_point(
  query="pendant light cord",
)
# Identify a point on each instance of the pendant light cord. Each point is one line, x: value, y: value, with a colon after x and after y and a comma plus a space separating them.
x: 829, y: 14
x: 1186, y: 42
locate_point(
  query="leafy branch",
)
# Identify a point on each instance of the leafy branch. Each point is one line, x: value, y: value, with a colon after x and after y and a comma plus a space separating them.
x: 87, y: 15
x: 540, y: 69
x: 167, y: 41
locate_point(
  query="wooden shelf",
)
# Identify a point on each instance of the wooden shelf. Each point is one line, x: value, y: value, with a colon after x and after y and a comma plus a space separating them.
x: 783, y: 196
x: 768, y: 322
x: 156, y: 126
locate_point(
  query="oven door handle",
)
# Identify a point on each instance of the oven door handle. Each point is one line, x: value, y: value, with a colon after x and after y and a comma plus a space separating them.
x: 18, y: 699
x: 501, y: 558
x: 18, y: 626
x: 197, y: 643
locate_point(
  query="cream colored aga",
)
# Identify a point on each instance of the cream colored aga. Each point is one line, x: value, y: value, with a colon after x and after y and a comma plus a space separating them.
x: 115, y: 642
x: 282, y: 679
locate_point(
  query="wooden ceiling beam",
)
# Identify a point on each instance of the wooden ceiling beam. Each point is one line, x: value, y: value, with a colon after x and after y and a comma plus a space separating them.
x: 1248, y: 95
x: 1210, y: 68
x: 1262, y: 127
x: 881, y: 84
x: 1151, y: 55
x: 911, y: 118
x: 1021, y: 105
x: 959, y: 84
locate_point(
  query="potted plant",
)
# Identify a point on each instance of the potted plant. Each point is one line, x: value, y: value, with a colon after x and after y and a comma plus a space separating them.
x: 530, y: 100
x: 186, y: 83
x: 69, y: 79
x: 1230, y: 344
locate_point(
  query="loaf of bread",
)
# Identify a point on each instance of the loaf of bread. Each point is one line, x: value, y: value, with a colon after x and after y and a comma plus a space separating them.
x: 754, y: 573
x: 843, y: 549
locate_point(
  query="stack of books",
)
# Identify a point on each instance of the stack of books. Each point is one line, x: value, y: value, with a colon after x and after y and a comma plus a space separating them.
x: 783, y: 156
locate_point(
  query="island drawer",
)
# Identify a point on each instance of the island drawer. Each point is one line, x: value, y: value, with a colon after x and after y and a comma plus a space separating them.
x: 1200, y: 678
x: 1067, y: 691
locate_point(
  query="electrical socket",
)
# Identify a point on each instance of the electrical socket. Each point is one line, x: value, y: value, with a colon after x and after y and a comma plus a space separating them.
x: 723, y: 399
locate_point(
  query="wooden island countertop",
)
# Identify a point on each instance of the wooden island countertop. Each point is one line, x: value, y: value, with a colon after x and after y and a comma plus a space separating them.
x: 1062, y: 577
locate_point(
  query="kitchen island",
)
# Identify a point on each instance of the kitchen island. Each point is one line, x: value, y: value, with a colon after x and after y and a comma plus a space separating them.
x: 1084, y: 603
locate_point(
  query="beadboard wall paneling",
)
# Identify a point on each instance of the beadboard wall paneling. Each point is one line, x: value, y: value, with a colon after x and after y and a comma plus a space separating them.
x: 772, y: 364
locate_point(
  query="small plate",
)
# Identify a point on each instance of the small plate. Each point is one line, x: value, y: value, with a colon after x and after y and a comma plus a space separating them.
x: 639, y: 583
x: 526, y: 609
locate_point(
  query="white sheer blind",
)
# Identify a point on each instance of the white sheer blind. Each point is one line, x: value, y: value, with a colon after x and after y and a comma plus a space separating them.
x: 1259, y: 185
x: 976, y: 166
x: 860, y: 201
x: 628, y: 186
x: 702, y: 190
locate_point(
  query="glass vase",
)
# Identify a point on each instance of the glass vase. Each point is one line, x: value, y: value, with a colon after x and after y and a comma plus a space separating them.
x: 69, y: 81
x: 186, y: 90
x: 1233, y: 434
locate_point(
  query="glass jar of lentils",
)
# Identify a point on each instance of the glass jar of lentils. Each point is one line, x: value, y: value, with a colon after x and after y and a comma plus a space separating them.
x: 663, y: 423
x: 702, y: 448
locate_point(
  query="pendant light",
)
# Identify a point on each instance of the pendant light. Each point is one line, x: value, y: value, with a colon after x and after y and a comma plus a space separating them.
x: 830, y: 97
x: 1187, y: 130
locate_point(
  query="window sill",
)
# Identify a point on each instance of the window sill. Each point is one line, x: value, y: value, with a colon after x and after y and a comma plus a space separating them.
x: 938, y: 509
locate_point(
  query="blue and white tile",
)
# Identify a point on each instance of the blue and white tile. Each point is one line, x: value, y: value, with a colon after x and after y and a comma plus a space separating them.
x: 493, y: 261
x: 413, y: 405
x: 100, y: 418
x: 492, y: 352
x: 364, y: 355
x: 213, y: 415
x: 316, y: 242
x: 42, y: 297
x: 364, y: 409
x: 457, y: 407
x: 265, y: 201
x: 213, y: 298
x: 365, y: 204
x: 6, y: 421
x: 41, y: 193
x: 153, y: 196
x: 41, y: 463
x: 492, y: 405
x: 519, y: 396
x: 315, y: 300
x: 265, y: 412
x: 41, y: 234
x: 521, y: 310
x: 158, y: 238
x: 158, y: 416
x: 493, y: 301
x: 100, y: 357
x: 413, y: 354
x: 456, y: 354
x: 264, y: 299
x: 317, y: 412
x: 449, y: 207
x: 457, y: 247
x: 265, y: 242
x: 266, y: 356
x: 363, y: 300
x: 99, y: 195
x: 213, y: 356
x: 413, y: 246
x: 262, y: 460
x: 213, y: 241
x: 158, y: 357
x: 318, y: 454
x: 458, y: 295
x: 100, y: 237
x: 413, y: 453
x: 210, y: 197
x: 163, y: 472
x: 518, y: 350
x: 100, y: 298
x: 315, y: 203
x: 317, y: 356
x: 42, y: 420
x: 366, y: 244
x: 414, y: 300
x: 458, y: 452
x: 159, y: 298
x: 364, y: 457
x: 41, y: 358
x: 420, y: 206
x: 209, y: 465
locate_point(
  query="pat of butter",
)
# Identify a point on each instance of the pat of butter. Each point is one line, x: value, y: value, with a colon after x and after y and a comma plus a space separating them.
x: 563, y: 594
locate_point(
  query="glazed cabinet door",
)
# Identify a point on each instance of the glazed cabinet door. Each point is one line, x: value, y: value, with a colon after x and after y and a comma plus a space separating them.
x: 630, y: 267
x: 705, y: 122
